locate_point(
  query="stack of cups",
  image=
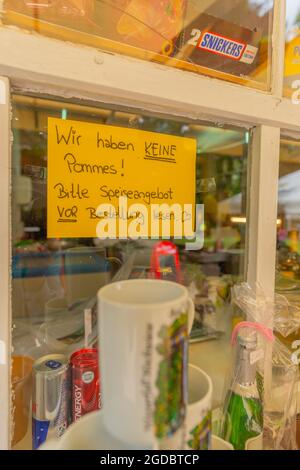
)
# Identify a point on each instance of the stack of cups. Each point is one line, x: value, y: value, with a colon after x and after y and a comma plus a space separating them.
x: 144, y: 327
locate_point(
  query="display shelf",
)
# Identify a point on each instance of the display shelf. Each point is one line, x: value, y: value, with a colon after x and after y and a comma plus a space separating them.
x: 200, y: 354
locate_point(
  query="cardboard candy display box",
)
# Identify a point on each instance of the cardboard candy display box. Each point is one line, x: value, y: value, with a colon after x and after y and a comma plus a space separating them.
x: 172, y: 32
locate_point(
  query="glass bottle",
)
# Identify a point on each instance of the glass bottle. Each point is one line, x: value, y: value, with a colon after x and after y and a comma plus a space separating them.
x: 243, y: 411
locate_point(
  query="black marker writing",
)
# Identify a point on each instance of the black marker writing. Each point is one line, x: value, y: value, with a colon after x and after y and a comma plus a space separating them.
x: 75, y: 167
x: 71, y: 138
x: 147, y: 196
x: 67, y: 214
x: 153, y: 149
x: 114, y: 145
x: 74, y: 192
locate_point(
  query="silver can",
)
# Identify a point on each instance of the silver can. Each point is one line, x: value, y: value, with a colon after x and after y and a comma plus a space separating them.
x: 50, y: 400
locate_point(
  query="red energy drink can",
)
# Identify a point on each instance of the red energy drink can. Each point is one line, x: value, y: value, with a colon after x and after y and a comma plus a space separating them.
x: 86, y: 395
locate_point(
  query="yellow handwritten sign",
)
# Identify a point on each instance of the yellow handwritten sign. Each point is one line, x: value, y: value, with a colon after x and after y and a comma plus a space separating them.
x: 292, y: 57
x: 93, y: 164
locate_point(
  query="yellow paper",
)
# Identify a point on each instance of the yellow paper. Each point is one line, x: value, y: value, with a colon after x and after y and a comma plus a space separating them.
x: 292, y: 57
x: 94, y: 164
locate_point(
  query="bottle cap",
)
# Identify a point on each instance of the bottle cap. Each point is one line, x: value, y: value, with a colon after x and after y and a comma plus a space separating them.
x: 247, y: 337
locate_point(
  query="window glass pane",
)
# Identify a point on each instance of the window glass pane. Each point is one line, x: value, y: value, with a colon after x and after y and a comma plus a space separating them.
x: 288, y: 247
x: 55, y: 280
x: 228, y: 39
x: 288, y: 243
x: 292, y: 52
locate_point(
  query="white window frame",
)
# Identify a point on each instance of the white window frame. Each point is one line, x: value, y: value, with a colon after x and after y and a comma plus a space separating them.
x: 35, y: 64
x: 5, y: 282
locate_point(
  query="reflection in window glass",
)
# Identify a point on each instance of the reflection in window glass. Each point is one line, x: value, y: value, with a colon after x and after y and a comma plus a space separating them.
x: 292, y: 52
x: 229, y: 39
x: 56, y: 280
x: 288, y: 223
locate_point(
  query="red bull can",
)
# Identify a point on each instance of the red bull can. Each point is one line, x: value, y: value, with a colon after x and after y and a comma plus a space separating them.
x: 50, y: 401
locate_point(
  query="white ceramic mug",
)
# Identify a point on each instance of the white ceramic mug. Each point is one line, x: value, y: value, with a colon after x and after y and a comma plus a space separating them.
x: 198, y: 417
x: 195, y: 433
x: 144, y: 326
